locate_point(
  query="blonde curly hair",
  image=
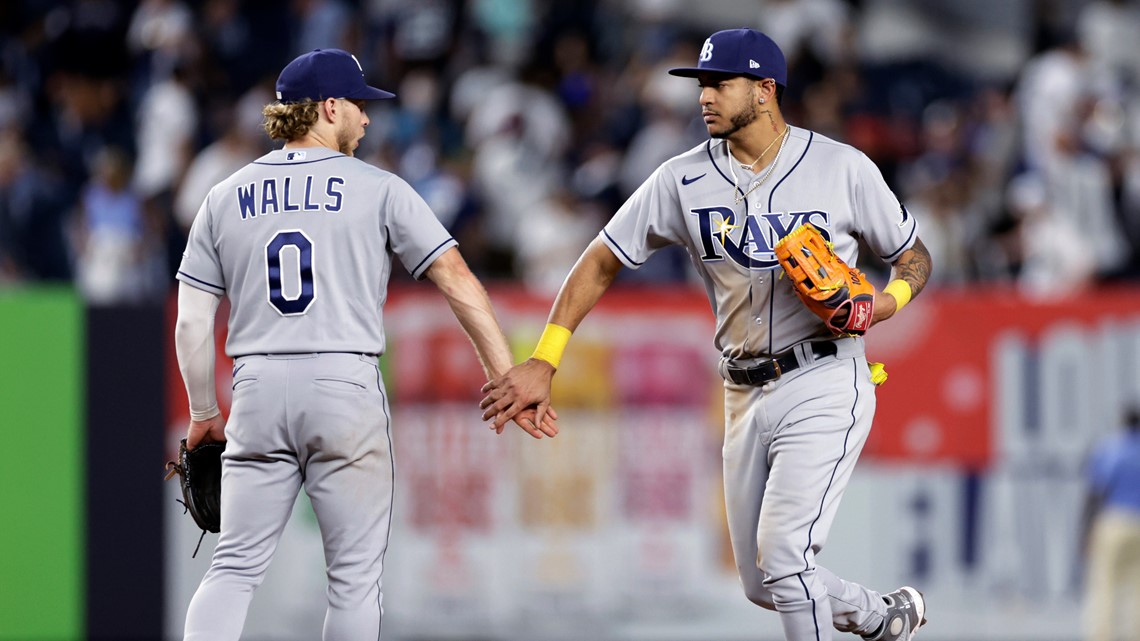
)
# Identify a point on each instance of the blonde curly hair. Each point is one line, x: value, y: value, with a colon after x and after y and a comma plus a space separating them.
x: 290, y: 121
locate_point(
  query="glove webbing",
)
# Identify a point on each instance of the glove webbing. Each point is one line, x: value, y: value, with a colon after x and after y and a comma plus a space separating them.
x: 173, y: 468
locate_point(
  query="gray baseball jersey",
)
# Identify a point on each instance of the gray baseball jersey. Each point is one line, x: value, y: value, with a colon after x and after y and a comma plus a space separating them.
x: 299, y: 240
x: 691, y: 200
x: 790, y: 444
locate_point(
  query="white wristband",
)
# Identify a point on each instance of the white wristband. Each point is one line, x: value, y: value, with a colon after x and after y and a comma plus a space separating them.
x: 206, y: 414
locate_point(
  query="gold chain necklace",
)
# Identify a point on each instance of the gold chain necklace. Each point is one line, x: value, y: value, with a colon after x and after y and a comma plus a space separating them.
x: 737, y: 195
x: 752, y: 164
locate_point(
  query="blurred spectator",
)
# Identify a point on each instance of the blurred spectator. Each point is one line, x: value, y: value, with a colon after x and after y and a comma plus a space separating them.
x: 230, y: 56
x: 509, y: 106
x: 1111, y: 532
x: 1051, y: 89
x: 508, y: 25
x: 15, y: 102
x: 32, y: 209
x: 242, y: 141
x: 1080, y: 188
x: 520, y: 132
x: 1106, y: 29
x: 167, y: 127
x: 160, y: 34
x: 1055, y: 258
x: 818, y: 29
x: 115, y: 254
x: 323, y: 24
x: 557, y: 230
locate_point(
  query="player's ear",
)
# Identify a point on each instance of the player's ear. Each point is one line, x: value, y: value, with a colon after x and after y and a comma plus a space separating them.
x: 328, y: 107
x: 764, y: 90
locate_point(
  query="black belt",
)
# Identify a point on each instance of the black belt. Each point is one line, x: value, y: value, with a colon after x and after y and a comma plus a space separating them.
x: 778, y: 365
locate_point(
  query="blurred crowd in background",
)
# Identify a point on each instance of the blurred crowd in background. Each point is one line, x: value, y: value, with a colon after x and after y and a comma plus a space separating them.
x: 1010, y: 128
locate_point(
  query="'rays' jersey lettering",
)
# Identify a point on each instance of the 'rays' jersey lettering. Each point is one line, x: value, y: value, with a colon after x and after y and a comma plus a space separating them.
x: 301, y: 241
x: 759, y: 234
x: 278, y: 194
x: 691, y: 201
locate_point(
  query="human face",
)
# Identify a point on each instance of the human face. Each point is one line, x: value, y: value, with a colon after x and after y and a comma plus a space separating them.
x: 350, y: 129
x: 728, y: 103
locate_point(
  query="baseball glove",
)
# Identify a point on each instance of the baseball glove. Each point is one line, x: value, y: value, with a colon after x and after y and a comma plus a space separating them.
x: 200, y: 475
x: 839, y: 294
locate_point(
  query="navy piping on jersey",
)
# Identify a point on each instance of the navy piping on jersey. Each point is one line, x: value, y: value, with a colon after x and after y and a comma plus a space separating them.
x: 291, y: 162
x: 416, y: 271
x: 811, y: 136
x: 198, y: 280
x: 890, y: 258
x: 708, y: 150
x: 618, y: 247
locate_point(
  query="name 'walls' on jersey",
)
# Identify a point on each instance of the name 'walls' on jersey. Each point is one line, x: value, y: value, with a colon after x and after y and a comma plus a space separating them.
x: 283, y: 194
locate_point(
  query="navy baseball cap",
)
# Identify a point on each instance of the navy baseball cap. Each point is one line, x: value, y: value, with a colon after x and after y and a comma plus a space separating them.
x: 325, y: 73
x: 740, y: 52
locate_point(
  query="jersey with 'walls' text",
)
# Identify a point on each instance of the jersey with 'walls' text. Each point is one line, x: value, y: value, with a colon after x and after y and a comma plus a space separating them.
x: 300, y: 241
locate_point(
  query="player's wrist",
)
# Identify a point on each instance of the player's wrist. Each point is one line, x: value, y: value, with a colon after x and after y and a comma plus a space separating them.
x: 900, y: 291
x: 206, y: 414
x: 551, y: 344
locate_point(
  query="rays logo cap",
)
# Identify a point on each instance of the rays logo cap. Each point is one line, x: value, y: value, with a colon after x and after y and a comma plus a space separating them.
x: 739, y: 52
x: 325, y: 73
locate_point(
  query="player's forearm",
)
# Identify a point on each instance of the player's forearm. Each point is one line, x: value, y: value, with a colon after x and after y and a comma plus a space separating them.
x: 914, y: 267
x: 591, y: 276
x: 194, y: 346
x: 472, y: 308
x: 911, y: 269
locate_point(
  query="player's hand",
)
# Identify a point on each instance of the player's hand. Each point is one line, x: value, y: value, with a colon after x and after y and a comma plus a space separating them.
x: 525, y: 420
x: 523, y: 386
x: 211, y: 430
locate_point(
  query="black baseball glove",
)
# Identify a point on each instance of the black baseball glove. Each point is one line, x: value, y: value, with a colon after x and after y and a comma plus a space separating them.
x: 200, y: 475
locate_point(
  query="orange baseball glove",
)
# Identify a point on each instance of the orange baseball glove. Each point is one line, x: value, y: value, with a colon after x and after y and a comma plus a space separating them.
x: 836, y: 292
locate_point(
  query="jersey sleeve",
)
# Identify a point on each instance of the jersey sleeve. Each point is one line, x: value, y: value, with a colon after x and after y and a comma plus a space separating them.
x: 646, y: 222
x: 415, y: 235
x: 201, y: 267
x: 883, y: 220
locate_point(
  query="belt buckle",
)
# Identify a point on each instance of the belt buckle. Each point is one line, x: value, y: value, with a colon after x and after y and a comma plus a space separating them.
x: 776, y: 367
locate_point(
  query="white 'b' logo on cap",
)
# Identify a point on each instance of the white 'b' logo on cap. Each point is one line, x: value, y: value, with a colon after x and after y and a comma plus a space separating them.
x: 706, y: 51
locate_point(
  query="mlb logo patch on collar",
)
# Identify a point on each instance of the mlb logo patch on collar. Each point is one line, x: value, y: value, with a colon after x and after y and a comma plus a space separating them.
x: 295, y: 155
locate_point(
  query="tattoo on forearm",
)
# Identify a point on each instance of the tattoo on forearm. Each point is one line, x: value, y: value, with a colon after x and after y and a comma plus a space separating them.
x: 914, y: 266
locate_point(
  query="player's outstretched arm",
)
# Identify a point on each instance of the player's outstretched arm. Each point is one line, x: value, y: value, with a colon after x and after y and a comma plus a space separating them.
x: 472, y: 307
x: 194, y: 346
x: 911, y: 272
x: 528, y: 383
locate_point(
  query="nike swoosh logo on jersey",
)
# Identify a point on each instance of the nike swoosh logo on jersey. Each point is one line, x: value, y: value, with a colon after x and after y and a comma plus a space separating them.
x: 685, y: 180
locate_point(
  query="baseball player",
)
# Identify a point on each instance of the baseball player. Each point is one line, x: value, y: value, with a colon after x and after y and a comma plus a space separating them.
x: 299, y: 241
x: 799, y: 399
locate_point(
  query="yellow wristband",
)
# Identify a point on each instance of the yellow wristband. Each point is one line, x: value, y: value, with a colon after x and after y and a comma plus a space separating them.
x: 900, y: 289
x: 550, y: 346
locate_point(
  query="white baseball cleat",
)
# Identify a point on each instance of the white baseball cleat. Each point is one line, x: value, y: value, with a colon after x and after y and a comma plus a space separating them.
x: 906, y: 613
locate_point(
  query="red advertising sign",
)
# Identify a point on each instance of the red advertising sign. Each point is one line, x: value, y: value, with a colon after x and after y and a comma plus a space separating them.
x: 971, y: 374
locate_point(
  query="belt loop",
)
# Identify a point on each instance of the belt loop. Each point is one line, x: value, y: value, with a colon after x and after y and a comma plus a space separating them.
x: 804, y: 354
